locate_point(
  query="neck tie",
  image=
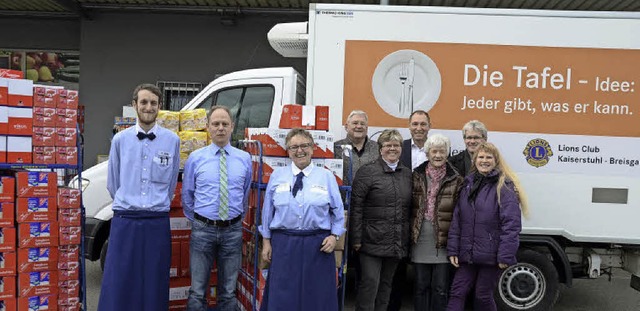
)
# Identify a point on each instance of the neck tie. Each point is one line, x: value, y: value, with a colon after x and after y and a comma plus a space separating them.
x: 223, y: 211
x: 298, y: 185
x: 142, y: 136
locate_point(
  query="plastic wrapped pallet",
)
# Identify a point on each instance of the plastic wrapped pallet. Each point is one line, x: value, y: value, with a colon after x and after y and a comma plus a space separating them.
x: 169, y: 120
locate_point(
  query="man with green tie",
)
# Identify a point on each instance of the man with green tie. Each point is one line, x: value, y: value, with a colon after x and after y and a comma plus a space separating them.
x: 215, y: 194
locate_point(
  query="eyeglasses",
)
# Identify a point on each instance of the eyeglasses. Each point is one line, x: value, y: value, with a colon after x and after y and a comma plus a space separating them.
x: 473, y: 137
x: 301, y: 146
x: 389, y: 146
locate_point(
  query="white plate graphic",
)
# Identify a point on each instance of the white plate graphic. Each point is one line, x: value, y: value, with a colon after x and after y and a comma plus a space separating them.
x: 387, y: 86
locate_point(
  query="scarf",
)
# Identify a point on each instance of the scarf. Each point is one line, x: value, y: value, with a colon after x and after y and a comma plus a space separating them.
x: 480, y: 180
x: 434, y: 176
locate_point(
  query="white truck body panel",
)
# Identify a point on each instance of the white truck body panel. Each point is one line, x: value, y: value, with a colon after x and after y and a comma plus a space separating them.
x: 560, y: 194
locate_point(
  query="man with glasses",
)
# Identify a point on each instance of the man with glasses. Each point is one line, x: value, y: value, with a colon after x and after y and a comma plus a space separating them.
x: 474, y: 134
x: 413, y: 153
x: 363, y: 150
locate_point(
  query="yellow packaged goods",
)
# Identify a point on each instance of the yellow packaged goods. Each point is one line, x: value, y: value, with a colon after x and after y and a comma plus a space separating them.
x: 191, y: 140
x: 193, y: 120
x: 169, y: 120
x: 183, y: 159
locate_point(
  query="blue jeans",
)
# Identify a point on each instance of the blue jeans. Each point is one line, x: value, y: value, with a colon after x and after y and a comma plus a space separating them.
x: 224, y: 245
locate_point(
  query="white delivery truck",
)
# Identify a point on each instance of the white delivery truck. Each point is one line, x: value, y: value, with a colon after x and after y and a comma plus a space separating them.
x: 555, y: 88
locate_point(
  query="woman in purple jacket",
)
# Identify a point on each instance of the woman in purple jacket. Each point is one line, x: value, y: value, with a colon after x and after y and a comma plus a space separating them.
x: 484, y: 233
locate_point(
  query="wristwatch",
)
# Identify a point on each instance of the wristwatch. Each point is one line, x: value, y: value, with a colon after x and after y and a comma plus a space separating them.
x: 337, y: 237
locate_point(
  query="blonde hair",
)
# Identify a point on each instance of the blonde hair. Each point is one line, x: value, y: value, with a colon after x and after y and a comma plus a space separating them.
x: 506, y: 173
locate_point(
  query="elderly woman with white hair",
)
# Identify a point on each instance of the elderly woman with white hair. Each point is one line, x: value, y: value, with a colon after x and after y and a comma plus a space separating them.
x: 435, y: 189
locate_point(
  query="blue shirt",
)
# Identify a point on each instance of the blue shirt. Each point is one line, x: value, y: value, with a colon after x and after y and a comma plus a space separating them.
x: 201, y: 182
x: 143, y: 173
x: 317, y: 206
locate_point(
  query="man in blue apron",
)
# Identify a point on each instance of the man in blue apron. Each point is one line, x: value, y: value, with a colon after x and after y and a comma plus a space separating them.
x: 215, y: 194
x: 143, y: 173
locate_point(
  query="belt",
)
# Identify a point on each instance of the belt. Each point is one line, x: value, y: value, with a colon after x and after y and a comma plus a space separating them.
x: 216, y: 223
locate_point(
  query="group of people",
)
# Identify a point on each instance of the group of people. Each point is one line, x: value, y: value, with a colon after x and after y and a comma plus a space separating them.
x: 410, y: 202
x: 455, y: 219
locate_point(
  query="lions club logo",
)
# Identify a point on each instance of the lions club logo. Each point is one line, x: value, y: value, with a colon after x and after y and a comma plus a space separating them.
x: 537, y: 152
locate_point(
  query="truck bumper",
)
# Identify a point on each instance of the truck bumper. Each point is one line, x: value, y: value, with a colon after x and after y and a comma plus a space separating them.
x: 91, y: 228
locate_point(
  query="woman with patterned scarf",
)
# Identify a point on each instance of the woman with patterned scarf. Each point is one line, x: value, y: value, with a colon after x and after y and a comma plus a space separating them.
x: 435, y: 189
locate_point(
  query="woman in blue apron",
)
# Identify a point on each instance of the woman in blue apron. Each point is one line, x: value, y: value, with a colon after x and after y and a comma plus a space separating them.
x: 302, y: 219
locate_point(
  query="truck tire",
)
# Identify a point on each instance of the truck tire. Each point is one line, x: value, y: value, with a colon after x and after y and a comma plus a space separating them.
x: 531, y: 284
x: 103, y: 254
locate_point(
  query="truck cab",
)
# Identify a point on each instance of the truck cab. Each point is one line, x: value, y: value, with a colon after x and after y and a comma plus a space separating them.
x: 255, y: 98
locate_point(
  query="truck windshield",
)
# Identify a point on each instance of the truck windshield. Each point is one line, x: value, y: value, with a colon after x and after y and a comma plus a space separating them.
x: 250, y: 106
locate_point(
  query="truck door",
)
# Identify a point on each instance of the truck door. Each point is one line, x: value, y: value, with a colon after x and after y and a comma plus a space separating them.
x: 251, y: 103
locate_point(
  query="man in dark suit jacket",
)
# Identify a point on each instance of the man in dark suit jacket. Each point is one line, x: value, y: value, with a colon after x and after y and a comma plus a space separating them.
x: 474, y: 134
x: 413, y: 154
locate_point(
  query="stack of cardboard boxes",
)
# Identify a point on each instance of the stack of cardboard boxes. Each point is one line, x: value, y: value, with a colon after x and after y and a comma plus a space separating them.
x: 37, y: 123
x: 180, y: 280
x: 40, y: 243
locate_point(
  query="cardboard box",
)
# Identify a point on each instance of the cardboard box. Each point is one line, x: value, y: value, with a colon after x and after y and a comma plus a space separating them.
x: 322, y: 118
x: 176, y: 201
x: 67, y: 155
x: 8, y: 264
x: 68, y: 253
x: 184, y: 259
x: 37, y: 283
x: 36, y: 184
x: 4, y: 120
x: 69, y: 197
x: 20, y: 121
x: 66, y: 137
x: 68, y: 271
x: 19, y: 149
x: 38, y: 302
x: 291, y: 117
x: 37, y: 259
x: 7, y: 189
x: 180, y: 225
x: 7, y: 214
x: 4, y: 91
x: 69, y: 287
x: 273, y: 140
x: 68, y: 99
x: 69, y: 217
x: 36, y: 209
x: 179, y: 289
x: 38, y: 234
x: 10, y: 303
x: 175, y: 259
x: 44, y: 117
x: 70, y: 235
x: 44, y: 155
x: 8, y: 287
x: 8, y: 239
x: 66, y: 117
x: 44, y: 136
x: 65, y: 300
x: 336, y: 167
x: 269, y: 164
x: 338, y: 257
x: 3, y: 149
x: 20, y: 93
x: 45, y: 96
x: 11, y: 74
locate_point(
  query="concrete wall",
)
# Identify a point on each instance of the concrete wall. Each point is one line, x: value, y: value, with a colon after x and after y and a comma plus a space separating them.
x: 39, y: 34
x: 120, y: 50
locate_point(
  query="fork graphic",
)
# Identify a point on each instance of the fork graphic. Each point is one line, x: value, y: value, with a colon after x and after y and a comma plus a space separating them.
x: 404, y: 74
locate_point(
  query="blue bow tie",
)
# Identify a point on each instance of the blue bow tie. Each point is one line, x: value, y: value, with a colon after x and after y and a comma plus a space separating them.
x: 142, y: 136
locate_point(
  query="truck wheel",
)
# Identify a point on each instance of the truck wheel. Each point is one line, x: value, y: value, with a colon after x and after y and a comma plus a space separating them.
x: 531, y: 284
x: 103, y: 254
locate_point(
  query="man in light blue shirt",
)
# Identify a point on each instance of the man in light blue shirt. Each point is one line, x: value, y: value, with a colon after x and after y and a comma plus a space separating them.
x: 302, y: 219
x: 215, y: 195
x: 143, y: 173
